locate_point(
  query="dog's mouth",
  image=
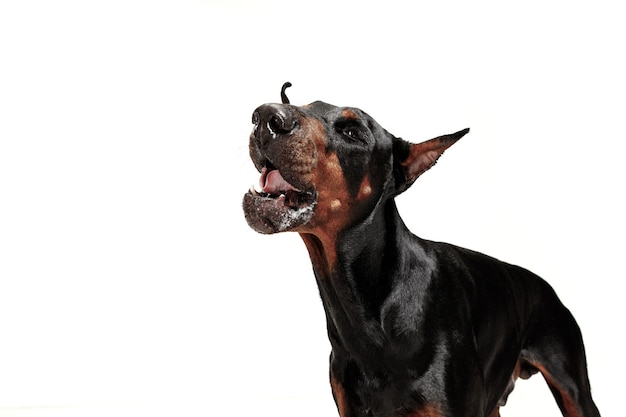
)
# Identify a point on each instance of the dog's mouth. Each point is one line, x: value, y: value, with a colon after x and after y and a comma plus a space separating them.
x: 278, y: 206
x: 275, y: 187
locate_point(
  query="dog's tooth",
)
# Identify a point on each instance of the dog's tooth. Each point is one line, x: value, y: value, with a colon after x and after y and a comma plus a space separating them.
x: 253, y: 191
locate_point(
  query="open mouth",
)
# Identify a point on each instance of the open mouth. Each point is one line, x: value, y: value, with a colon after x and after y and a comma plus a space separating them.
x: 274, y: 186
x: 278, y: 206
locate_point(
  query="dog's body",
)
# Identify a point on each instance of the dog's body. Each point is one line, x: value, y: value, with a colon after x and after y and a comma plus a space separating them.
x: 417, y: 328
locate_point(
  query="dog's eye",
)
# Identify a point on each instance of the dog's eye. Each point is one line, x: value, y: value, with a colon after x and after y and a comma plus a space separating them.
x: 351, y: 132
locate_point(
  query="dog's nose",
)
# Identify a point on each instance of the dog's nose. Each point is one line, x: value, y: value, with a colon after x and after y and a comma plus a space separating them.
x: 276, y: 118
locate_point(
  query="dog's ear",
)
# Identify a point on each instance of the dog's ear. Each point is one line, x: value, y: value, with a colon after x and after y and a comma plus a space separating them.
x: 413, y: 159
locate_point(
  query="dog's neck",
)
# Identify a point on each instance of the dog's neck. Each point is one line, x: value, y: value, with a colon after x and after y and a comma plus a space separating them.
x: 358, y: 249
x: 352, y: 271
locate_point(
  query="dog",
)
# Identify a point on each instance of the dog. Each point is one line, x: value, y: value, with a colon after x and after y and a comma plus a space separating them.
x: 417, y: 328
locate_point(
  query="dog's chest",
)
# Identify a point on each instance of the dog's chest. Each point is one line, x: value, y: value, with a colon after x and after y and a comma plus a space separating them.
x: 395, y: 394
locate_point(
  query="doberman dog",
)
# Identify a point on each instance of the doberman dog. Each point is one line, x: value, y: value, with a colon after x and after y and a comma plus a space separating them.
x: 417, y: 328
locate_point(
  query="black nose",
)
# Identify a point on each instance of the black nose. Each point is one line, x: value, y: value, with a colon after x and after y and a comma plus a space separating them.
x: 276, y: 119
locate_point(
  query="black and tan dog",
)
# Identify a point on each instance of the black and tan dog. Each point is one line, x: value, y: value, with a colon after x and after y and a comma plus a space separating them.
x: 417, y: 328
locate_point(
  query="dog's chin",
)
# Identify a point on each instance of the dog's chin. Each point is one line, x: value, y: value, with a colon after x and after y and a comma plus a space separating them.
x: 274, y: 213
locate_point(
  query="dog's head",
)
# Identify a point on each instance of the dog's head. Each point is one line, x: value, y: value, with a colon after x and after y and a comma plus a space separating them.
x: 327, y: 167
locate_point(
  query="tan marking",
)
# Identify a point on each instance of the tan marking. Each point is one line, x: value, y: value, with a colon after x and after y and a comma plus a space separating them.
x: 332, y: 211
x: 517, y: 370
x: 339, y: 394
x: 569, y: 405
x: 320, y: 259
x: 333, y: 166
x: 335, y: 208
x: 331, y: 186
x: 335, y: 205
x: 365, y: 189
x: 426, y: 411
x: 349, y: 114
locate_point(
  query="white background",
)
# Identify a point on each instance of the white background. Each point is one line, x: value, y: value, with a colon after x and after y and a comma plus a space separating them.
x: 130, y: 283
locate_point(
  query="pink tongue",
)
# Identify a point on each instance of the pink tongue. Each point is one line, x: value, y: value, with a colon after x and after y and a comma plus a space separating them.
x: 273, y: 183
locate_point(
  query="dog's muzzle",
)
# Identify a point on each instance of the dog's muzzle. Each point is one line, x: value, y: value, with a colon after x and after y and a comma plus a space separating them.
x: 281, y: 203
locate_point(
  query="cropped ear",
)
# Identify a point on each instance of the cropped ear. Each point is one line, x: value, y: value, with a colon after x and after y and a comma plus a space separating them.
x: 414, y: 159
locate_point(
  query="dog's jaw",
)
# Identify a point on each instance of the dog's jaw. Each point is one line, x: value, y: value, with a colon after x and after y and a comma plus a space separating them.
x: 278, y: 206
x: 269, y: 213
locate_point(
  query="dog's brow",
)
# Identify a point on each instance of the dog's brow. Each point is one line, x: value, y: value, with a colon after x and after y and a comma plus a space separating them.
x: 350, y: 114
